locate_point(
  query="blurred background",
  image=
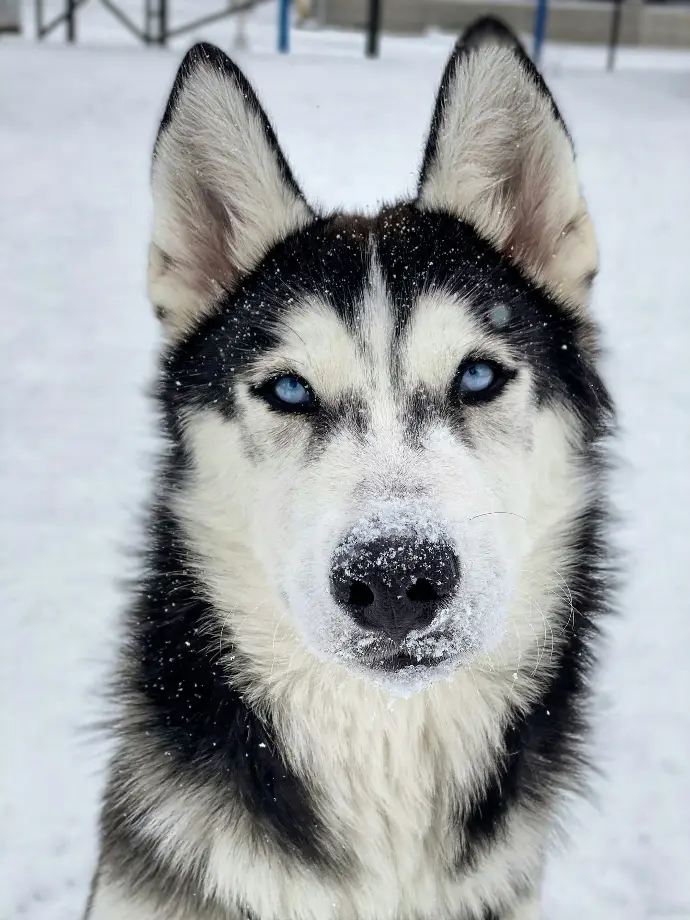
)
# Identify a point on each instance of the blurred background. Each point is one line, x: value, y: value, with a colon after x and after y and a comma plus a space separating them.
x: 349, y: 85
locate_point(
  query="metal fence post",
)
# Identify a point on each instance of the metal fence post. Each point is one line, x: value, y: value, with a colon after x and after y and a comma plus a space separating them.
x: 373, y: 28
x: 541, y: 15
x: 615, y: 34
x: 39, y: 19
x: 284, y: 26
x: 70, y: 21
x: 163, y: 34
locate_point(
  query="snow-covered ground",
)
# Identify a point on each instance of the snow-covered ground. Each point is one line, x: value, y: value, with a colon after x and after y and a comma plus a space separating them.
x: 76, y: 126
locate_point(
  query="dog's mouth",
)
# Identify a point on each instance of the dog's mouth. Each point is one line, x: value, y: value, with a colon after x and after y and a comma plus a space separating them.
x: 392, y: 657
x: 403, y: 660
x: 409, y: 665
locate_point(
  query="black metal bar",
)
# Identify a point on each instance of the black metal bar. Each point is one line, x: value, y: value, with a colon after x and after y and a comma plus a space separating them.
x: 125, y: 20
x: 152, y: 22
x: 147, y: 21
x: 70, y: 22
x: 57, y: 21
x: 373, y: 28
x: 162, y: 22
x: 212, y: 17
x: 52, y: 25
x: 615, y: 34
x: 541, y: 17
x: 39, y: 19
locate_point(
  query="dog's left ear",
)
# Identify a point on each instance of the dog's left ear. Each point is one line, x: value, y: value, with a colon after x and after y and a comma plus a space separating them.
x: 500, y: 157
x: 223, y: 192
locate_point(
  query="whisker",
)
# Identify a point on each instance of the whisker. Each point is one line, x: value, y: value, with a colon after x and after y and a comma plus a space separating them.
x: 489, y: 513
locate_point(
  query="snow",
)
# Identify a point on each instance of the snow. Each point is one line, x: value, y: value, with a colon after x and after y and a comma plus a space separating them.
x: 78, y: 342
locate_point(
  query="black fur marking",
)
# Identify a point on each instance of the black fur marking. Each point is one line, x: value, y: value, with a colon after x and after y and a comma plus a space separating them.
x: 318, y: 261
x: 190, y: 715
x: 422, y: 408
x: 421, y: 251
x: 349, y: 414
x: 207, y: 55
x: 484, y: 32
x: 543, y: 750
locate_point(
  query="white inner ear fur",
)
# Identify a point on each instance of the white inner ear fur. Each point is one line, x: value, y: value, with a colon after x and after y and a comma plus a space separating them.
x: 504, y: 163
x: 220, y: 198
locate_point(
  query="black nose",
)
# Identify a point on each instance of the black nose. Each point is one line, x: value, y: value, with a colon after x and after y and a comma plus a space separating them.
x: 394, y: 585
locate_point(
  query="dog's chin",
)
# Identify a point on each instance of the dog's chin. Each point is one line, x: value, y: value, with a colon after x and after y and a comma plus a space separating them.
x: 403, y: 670
x: 402, y: 676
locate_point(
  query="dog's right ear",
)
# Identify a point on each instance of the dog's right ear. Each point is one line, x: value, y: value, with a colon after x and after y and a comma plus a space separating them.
x: 223, y: 192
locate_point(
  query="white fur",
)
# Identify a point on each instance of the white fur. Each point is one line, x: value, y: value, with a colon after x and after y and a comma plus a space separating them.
x: 505, y: 164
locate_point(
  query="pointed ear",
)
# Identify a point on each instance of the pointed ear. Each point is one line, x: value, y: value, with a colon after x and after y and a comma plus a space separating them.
x: 500, y: 157
x: 223, y: 192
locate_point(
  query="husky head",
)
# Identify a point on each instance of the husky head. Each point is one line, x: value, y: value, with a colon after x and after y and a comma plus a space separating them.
x: 378, y: 423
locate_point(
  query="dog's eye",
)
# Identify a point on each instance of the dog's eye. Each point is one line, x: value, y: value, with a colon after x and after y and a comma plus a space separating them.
x: 291, y: 390
x: 288, y: 393
x: 477, y: 377
x: 479, y: 380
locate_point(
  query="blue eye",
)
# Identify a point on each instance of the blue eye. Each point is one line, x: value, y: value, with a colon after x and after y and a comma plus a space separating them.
x: 480, y: 379
x: 291, y: 390
x: 477, y: 377
x: 288, y: 393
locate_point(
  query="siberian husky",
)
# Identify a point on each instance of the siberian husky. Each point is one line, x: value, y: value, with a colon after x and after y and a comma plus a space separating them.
x: 355, y: 677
